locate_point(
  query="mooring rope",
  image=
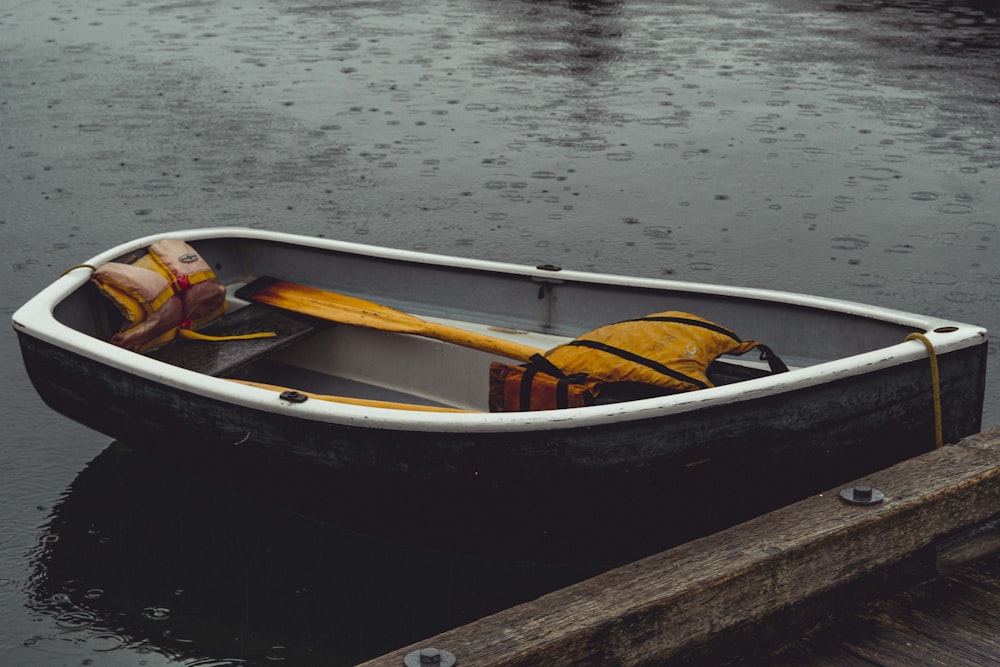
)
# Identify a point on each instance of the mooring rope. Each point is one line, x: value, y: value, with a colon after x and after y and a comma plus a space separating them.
x: 935, y: 383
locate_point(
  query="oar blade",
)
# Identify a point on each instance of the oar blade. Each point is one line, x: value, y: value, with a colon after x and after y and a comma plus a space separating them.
x: 330, y: 306
x: 352, y: 310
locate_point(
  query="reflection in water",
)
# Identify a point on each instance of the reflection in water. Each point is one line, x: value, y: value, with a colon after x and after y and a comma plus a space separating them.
x: 141, y: 553
x: 573, y: 37
x: 963, y: 29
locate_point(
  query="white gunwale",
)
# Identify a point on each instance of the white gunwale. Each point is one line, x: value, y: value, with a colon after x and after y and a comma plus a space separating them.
x: 36, y: 318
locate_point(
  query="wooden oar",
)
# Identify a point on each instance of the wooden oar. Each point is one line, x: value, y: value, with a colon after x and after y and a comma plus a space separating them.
x: 352, y: 310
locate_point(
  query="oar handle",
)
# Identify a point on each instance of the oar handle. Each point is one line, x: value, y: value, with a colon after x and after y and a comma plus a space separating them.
x: 477, y: 341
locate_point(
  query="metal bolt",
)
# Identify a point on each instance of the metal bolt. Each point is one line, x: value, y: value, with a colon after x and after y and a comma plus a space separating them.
x: 293, y: 396
x: 862, y: 495
x: 429, y: 656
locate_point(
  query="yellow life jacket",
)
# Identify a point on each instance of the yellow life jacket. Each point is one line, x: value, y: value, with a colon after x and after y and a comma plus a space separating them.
x: 659, y: 354
x: 167, y: 292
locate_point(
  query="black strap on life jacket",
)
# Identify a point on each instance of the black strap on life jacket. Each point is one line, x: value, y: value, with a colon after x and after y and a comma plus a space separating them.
x: 773, y: 360
x: 766, y: 353
x: 662, y: 369
x: 539, y: 364
x: 690, y: 322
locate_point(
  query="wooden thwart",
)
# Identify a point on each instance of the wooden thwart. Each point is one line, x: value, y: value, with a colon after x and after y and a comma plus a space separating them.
x: 673, y: 602
x: 220, y: 358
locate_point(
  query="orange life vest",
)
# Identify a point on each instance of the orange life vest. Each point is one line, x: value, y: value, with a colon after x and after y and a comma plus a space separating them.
x: 659, y: 354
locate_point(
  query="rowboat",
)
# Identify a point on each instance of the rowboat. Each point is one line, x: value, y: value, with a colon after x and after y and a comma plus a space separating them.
x: 366, y: 381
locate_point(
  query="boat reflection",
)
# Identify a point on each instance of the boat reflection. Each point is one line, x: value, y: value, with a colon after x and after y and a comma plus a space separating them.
x: 146, y: 554
x: 211, y: 554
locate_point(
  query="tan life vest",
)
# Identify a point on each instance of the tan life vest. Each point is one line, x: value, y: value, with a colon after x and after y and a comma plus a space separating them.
x: 659, y: 354
x: 167, y: 292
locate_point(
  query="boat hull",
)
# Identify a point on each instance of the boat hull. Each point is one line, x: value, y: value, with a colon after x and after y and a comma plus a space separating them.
x: 697, y: 472
x: 860, y: 395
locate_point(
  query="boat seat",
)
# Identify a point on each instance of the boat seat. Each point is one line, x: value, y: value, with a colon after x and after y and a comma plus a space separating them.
x: 220, y: 358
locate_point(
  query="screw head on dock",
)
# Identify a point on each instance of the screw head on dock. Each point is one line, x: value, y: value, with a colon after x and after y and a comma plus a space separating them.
x: 429, y: 656
x: 862, y: 495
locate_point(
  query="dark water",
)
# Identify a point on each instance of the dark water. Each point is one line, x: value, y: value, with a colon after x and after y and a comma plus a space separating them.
x: 845, y: 149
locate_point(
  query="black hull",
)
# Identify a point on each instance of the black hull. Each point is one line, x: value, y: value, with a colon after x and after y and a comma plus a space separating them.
x: 178, y: 561
x: 688, y: 474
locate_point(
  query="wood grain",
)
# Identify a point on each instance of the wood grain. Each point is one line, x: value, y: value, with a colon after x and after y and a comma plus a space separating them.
x: 651, y: 610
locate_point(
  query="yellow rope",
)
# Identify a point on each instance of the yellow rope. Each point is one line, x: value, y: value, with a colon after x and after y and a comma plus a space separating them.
x: 936, y: 383
x: 353, y: 401
x: 194, y: 335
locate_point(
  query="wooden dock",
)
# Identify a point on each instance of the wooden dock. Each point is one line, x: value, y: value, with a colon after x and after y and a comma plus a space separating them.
x: 951, y: 621
x: 911, y: 580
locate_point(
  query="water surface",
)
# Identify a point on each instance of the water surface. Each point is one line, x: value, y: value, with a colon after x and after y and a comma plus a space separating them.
x: 845, y: 149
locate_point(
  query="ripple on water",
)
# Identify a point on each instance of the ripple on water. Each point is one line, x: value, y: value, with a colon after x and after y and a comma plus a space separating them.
x: 935, y: 278
x: 60, y: 599
x: 174, y: 637
x: 954, y: 208
x: 75, y: 619
x: 961, y: 297
x: 103, y: 642
x: 276, y: 653
x: 879, y: 174
x: 848, y: 243
x: 945, y: 237
x: 156, y: 613
x: 656, y: 232
x: 702, y: 261
x: 867, y: 281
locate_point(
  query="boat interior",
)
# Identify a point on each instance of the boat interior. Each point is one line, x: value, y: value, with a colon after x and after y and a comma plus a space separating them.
x: 325, y: 359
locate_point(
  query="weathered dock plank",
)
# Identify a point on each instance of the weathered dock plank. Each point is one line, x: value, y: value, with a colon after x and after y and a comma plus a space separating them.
x: 951, y: 621
x: 960, y: 626
x: 668, y: 605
